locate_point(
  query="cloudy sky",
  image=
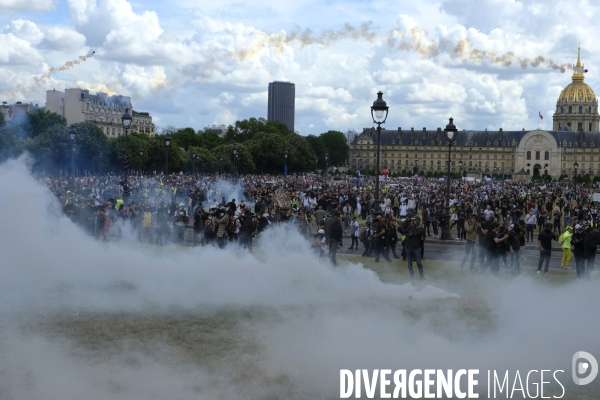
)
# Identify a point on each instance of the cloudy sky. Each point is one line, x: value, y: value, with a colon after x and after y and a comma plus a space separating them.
x: 195, y: 62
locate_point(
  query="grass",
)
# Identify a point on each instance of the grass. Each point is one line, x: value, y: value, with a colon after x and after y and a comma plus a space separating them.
x: 213, y: 340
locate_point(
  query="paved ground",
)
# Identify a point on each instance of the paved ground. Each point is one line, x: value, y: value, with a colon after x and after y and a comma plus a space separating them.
x: 454, y: 251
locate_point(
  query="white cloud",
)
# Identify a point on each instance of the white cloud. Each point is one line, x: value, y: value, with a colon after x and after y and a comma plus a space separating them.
x: 213, y: 63
x: 25, y: 5
x: 63, y: 39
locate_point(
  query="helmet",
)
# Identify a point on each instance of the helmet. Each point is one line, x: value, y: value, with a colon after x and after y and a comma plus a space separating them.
x: 321, y: 231
x: 181, y: 205
x: 577, y: 226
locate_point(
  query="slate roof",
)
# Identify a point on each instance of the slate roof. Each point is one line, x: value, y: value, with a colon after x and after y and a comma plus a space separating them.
x: 474, y: 138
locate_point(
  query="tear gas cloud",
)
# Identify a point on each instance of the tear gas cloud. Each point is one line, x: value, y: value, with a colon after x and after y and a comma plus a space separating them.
x: 302, y: 320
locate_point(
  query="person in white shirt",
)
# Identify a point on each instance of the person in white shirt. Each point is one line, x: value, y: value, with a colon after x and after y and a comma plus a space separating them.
x: 354, y: 233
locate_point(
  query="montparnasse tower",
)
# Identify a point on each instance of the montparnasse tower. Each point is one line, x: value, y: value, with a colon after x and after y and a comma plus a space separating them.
x: 577, y: 106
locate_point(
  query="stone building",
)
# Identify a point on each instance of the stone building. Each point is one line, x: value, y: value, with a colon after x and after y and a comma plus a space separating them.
x: 78, y: 105
x: 500, y: 152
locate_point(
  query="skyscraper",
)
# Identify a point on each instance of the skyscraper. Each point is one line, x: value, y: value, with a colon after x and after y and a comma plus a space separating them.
x: 282, y: 100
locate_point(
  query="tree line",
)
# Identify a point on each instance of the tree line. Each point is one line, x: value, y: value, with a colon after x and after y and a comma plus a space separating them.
x: 260, y: 144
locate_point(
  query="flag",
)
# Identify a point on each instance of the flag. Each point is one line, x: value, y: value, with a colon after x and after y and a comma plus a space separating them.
x: 541, y: 116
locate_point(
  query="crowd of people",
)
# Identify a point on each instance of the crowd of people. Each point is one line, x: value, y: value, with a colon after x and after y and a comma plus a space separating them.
x: 496, y: 219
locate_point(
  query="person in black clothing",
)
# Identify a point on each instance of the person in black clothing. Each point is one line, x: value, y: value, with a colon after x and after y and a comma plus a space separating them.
x: 494, y: 243
x: 514, y: 244
x: 247, y: 228
x: 392, y: 236
x: 413, y: 243
x: 590, y: 244
x: 483, y: 227
x: 579, y: 251
x: 545, y: 239
x: 381, y: 236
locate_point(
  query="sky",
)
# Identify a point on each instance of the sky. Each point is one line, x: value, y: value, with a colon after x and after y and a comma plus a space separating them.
x: 197, y: 63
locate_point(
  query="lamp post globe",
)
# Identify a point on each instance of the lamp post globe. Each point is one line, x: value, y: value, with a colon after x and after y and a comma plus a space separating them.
x: 379, y: 113
x: 167, y: 143
x: 235, y: 157
x: 141, y: 151
x: 451, y: 132
x: 194, y: 155
x: 72, y: 133
x: 326, y: 158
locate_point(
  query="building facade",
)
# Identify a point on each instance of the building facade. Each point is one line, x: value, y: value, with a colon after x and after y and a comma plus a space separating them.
x: 282, y: 103
x: 78, y: 105
x: 535, y: 152
x: 13, y: 111
x: 220, y: 130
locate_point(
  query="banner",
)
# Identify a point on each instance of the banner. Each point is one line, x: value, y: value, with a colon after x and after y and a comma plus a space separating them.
x: 283, y: 199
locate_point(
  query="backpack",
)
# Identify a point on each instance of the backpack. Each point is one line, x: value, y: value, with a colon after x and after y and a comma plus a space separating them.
x: 336, y: 230
x: 363, y: 236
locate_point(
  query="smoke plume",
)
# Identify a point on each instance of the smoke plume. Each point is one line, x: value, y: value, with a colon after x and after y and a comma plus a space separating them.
x: 45, y: 77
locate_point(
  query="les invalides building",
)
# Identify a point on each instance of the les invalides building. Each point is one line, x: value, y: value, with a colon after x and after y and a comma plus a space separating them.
x: 518, y: 154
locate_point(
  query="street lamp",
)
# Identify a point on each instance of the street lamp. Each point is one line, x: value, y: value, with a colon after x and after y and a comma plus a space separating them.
x: 358, y: 163
x: 221, y: 164
x: 316, y: 164
x: 285, y: 155
x: 126, y: 123
x: 194, y: 155
x: 167, y: 142
x: 72, y: 135
x: 379, y: 113
x: 460, y: 168
x: 141, y: 150
x: 451, y: 133
x: 439, y: 163
x: 74, y: 149
x: 326, y: 157
x: 235, y: 156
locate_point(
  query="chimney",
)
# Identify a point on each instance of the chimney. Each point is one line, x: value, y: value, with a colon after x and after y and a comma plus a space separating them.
x: 399, y: 132
x: 581, y: 136
x: 412, y: 131
x: 501, y: 134
x: 424, y: 132
x: 438, y: 135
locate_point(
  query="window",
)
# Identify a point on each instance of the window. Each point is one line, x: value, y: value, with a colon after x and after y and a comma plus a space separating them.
x: 579, y: 126
x: 569, y: 124
x: 537, y: 155
x: 590, y: 127
x: 580, y: 110
x: 570, y: 111
x: 470, y: 163
x: 546, y: 155
x: 529, y: 155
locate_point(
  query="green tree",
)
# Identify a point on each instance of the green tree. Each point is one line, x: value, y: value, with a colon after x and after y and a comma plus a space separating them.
x: 301, y: 155
x: 41, y: 120
x: 209, y: 140
x: 2, y: 121
x: 51, y: 148
x: 245, y: 158
x: 208, y: 160
x: 318, y: 148
x: 267, y: 152
x: 246, y: 129
x: 186, y: 138
x: 10, y: 144
x: 335, y: 143
x: 91, y: 143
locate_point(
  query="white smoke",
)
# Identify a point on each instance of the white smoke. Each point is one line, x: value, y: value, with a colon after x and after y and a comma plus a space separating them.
x: 306, y: 318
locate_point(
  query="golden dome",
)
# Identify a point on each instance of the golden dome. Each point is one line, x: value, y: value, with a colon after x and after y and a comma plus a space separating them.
x: 577, y: 91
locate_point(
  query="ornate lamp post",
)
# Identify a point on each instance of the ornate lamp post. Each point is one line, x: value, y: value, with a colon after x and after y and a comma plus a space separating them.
x: 316, y: 164
x: 126, y: 123
x: 235, y: 157
x: 451, y: 133
x: 379, y: 113
x: 326, y: 158
x: 194, y: 155
x: 72, y: 135
x: 460, y: 168
x: 285, y: 155
x: 575, y: 166
x: 141, y: 150
x: 167, y: 143
x: 221, y: 164
x: 439, y: 163
x: 358, y: 163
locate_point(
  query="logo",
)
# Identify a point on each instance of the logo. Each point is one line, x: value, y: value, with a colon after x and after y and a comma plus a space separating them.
x: 581, y: 367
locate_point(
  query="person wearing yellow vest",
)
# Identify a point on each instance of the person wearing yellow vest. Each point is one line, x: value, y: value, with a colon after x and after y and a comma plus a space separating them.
x: 565, y: 240
x: 119, y: 203
x: 147, y: 225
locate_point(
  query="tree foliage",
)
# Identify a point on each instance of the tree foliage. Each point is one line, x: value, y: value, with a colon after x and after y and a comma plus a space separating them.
x: 247, y: 128
x: 41, y: 120
x: 336, y: 145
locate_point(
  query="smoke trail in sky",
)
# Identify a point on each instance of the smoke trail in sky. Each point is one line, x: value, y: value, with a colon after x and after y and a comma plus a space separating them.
x: 45, y: 77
